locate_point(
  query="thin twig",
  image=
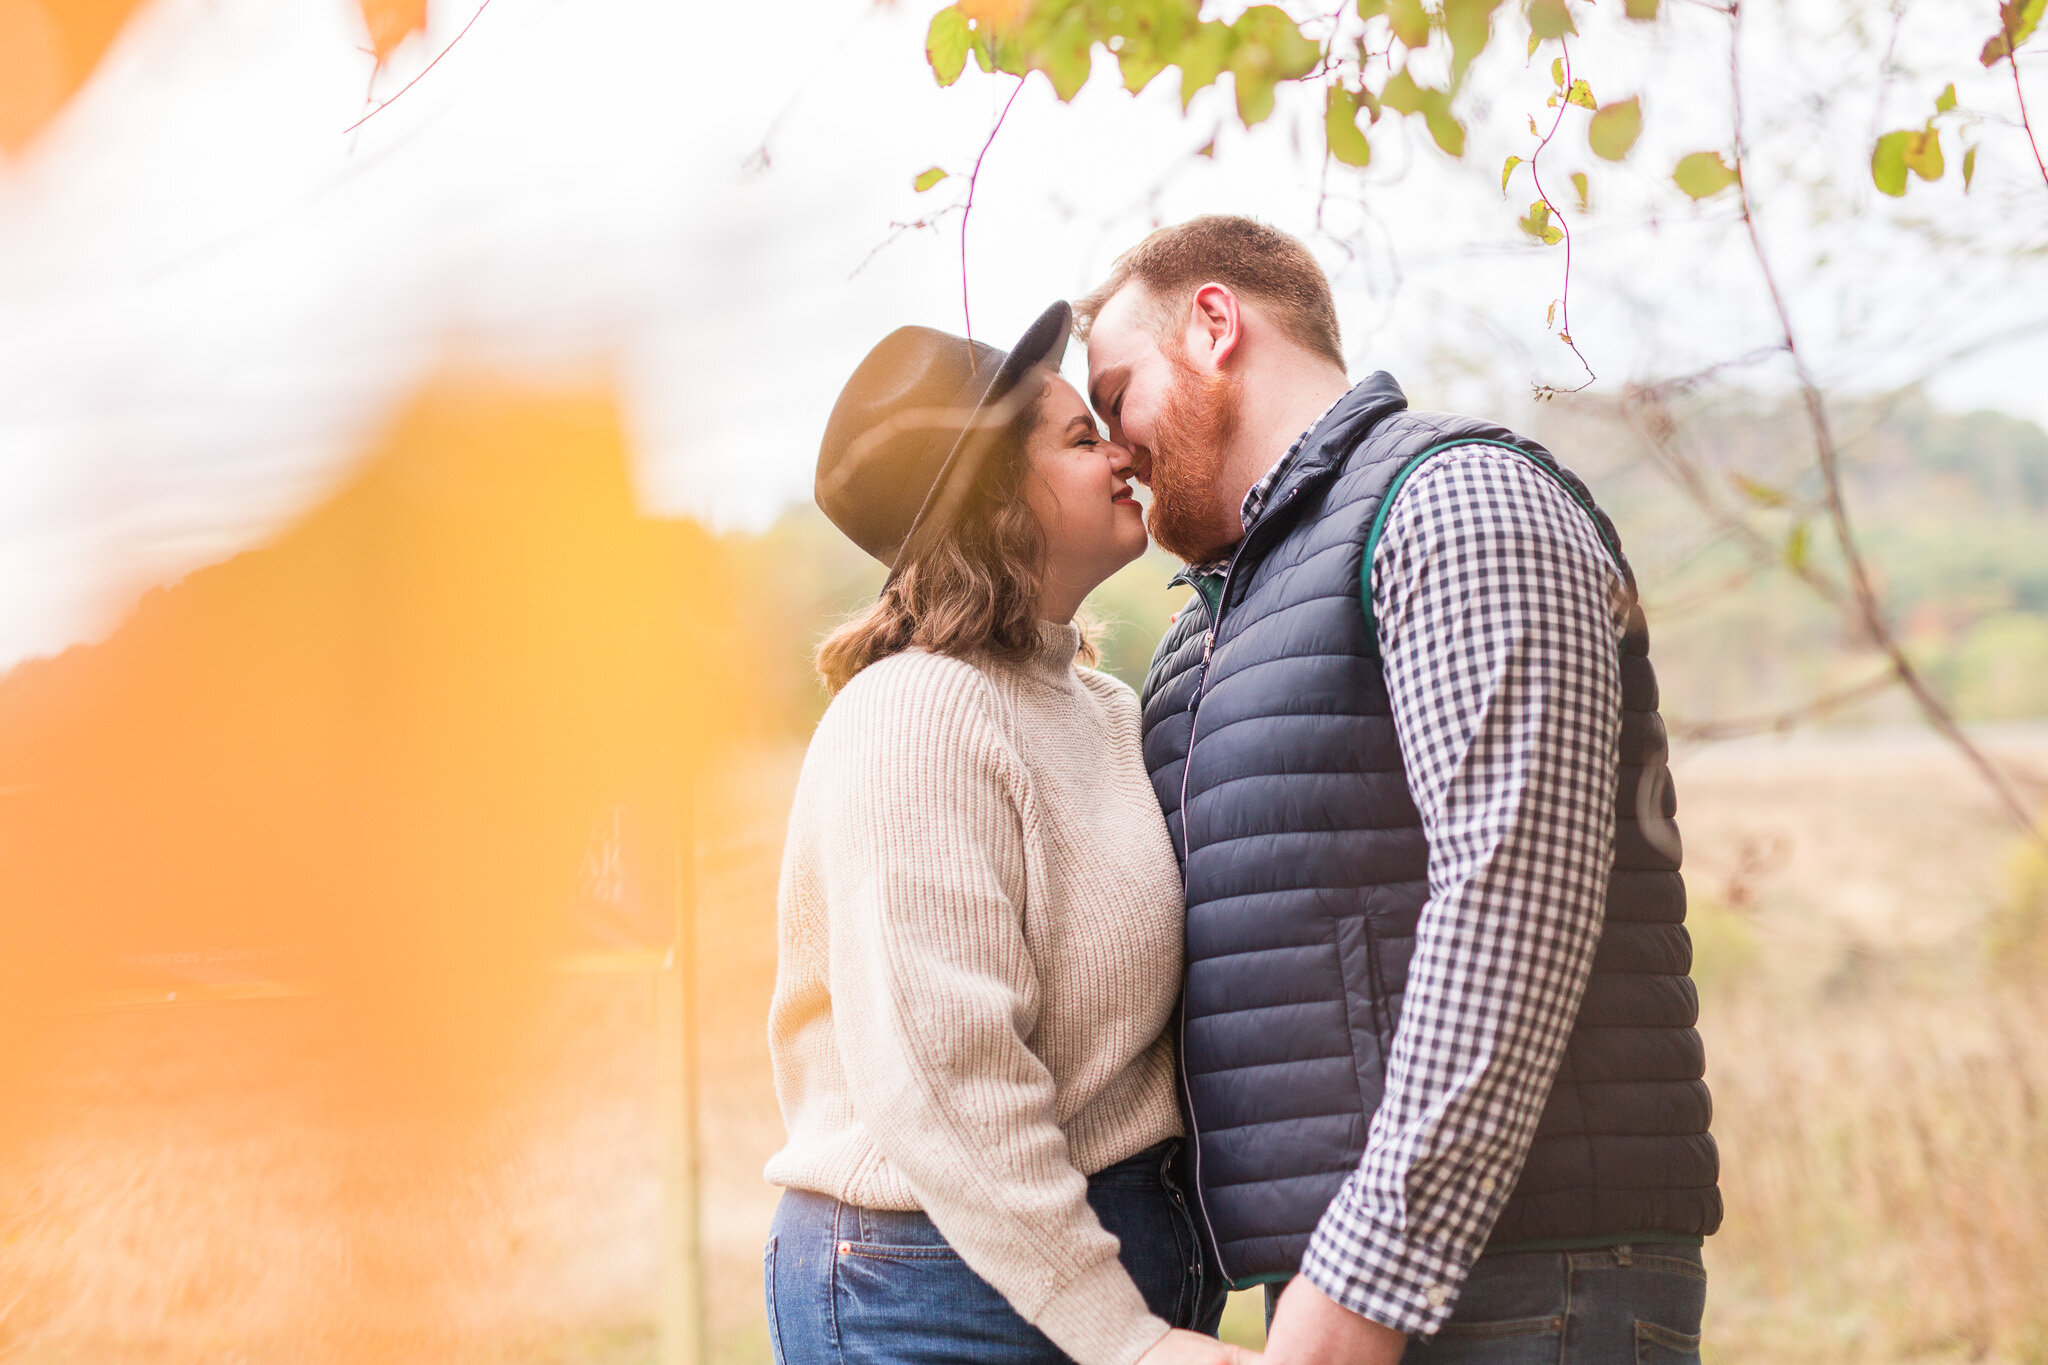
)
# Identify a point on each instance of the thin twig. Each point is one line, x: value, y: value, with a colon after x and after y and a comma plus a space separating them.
x: 1644, y: 410
x: 1828, y: 455
x: 1784, y: 721
x: 1564, y: 304
x: 423, y: 70
x: 973, y: 179
x: 2012, y: 59
x: 897, y: 229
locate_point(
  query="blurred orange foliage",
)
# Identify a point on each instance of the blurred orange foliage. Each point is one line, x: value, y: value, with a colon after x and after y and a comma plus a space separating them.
x: 372, y: 757
x: 390, y: 21
x: 47, y: 49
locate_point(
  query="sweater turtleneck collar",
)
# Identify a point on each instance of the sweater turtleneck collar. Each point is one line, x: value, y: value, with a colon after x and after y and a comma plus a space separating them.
x: 1059, y: 643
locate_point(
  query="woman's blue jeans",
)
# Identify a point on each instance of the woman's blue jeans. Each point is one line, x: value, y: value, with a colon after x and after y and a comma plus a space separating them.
x: 854, y: 1286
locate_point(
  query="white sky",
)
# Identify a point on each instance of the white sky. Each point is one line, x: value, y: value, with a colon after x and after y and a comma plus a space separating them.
x: 210, y: 297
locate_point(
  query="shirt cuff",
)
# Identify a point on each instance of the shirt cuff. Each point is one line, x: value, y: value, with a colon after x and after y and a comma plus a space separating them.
x: 1379, y: 1272
x: 1100, y: 1318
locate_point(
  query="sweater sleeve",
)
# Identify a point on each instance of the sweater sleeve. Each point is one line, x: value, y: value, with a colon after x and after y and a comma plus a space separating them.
x: 934, y: 996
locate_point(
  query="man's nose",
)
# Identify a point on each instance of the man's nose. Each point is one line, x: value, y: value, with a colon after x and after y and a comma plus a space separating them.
x: 1137, y: 465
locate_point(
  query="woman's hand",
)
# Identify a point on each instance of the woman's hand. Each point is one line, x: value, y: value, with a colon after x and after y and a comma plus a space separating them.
x: 1181, y: 1347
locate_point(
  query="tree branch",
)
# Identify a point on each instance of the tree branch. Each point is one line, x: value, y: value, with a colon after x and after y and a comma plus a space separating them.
x: 1869, y: 612
x: 2012, y: 59
x: 423, y: 70
x: 974, y: 179
x: 1556, y: 213
x: 1643, y: 409
x: 1824, y: 704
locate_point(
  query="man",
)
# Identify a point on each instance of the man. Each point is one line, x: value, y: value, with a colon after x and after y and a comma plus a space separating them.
x: 1405, y: 734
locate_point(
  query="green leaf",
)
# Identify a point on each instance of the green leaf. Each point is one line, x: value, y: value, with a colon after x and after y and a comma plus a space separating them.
x: 1401, y: 94
x: 1796, y: 546
x: 1557, y: 72
x: 1340, y: 128
x: 1202, y: 57
x: 1639, y: 9
x: 1372, y: 9
x: 1269, y: 48
x: 1064, y: 58
x: 946, y: 44
x: 1888, y: 163
x: 1581, y: 94
x: 2029, y: 14
x: 1411, y: 22
x: 2017, y: 20
x: 1538, y: 225
x: 1584, y: 190
x: 1615, y: 127
x: 1469, y: 23
x: 1550, y: 19
x: 1703, y: 174
x: 1762, y: 494
x: 1139, y: 63
x: 1404, y: 96
x: 1507, y: 169
x: 1923, y: 153
x: 927, y: 179
x: 1447, y: 130
x: 1946, y: 100
x: 1969, y: 167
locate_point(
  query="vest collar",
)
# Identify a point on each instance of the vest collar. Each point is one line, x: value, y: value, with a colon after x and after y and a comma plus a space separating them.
x: 1371, y: 399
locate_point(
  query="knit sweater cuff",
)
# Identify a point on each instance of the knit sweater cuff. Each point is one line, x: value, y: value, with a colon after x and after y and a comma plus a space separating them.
x: 1099, y: 1318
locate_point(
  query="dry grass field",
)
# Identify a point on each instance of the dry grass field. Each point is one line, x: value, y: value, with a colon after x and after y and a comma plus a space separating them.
x: 186, y: 1184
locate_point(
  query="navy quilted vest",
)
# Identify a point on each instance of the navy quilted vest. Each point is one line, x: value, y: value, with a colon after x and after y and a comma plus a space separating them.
x: 1306, y: 869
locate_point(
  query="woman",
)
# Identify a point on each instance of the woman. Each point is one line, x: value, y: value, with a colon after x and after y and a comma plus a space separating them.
x: 980, y: 915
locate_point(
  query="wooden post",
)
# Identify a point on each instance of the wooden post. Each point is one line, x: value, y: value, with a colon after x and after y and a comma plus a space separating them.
x: 682, y: 1262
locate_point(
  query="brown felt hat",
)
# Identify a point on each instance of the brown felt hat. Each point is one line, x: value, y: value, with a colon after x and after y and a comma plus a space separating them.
x: 915, y: 425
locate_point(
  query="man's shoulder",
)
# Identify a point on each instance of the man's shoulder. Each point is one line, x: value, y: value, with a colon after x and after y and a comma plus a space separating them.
x: 1415, y: 430
x: 1477, y: 497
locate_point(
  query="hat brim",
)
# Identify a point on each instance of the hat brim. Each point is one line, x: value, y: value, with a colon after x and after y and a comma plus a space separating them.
x: 1045, y: 338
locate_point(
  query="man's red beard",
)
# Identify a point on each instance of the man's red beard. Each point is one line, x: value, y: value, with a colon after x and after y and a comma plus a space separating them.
x: 1188, y: 440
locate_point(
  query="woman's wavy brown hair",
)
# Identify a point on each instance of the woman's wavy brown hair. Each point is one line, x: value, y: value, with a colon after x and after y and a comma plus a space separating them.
x: 974, y: 593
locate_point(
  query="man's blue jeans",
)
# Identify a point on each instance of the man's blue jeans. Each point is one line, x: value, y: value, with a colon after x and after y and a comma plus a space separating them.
x: 854, y: 1286
x: 1636, y: 1305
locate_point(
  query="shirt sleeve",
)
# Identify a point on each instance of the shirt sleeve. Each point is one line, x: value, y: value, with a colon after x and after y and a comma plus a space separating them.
x: 934, y: 997
x: 1499, y: 614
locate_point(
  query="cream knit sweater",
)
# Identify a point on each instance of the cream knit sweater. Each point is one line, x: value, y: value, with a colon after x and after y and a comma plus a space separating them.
x: 979, y: 933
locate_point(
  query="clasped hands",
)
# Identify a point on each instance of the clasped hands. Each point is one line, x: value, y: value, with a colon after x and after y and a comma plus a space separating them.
x: 1309, y: 1328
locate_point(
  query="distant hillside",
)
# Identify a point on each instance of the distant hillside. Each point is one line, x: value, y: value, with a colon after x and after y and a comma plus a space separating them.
x: 1951, y: 510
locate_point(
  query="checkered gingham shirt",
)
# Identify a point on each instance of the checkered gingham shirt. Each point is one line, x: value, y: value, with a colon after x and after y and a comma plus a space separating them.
x: 1500, y: 615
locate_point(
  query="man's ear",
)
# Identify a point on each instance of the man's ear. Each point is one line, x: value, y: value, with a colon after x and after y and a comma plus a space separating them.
x: 1215, y: 325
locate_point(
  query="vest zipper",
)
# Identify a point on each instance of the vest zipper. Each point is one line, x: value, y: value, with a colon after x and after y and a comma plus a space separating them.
x: 1187, y: 847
